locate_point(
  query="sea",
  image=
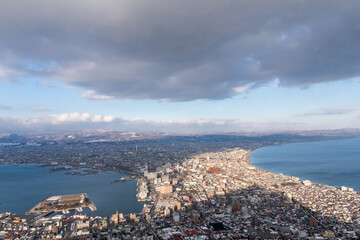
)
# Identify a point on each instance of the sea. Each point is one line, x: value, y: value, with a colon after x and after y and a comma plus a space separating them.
x: 332, y: 162
x: 22, y: 186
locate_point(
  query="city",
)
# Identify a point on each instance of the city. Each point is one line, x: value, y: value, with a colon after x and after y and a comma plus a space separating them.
x: 179, y: 120
x: 192, y: 194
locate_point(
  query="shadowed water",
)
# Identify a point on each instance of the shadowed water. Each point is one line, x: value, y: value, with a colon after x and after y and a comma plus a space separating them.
x: 333, y: 162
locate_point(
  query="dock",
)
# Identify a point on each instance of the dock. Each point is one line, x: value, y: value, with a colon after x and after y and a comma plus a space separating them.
x: 63, y: 203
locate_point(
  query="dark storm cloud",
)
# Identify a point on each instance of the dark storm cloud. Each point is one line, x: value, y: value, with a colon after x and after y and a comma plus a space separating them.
x: 179, y: 50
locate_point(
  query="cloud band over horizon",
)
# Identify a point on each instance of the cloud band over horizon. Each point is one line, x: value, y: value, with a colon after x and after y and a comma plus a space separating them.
x: 86, y: 121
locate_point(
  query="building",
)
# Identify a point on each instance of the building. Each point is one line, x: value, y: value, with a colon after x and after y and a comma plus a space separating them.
x: 176, y: 217
x: 214, y: 170
x: 165, y: 189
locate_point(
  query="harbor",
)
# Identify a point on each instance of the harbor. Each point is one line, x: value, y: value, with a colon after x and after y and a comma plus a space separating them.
x: 124, y: 179
x: 63, y: 203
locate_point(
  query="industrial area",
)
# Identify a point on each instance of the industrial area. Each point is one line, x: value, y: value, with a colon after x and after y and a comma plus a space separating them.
x: 63, y: 203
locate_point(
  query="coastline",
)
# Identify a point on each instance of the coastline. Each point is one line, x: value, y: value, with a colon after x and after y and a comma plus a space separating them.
x: 315, y: 163
x: 208, y: 180
x: 246, y: 158
x: 95, y: 185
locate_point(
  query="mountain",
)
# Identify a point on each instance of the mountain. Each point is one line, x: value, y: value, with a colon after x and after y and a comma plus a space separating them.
x: 11, y: 138
x: 99, y: 135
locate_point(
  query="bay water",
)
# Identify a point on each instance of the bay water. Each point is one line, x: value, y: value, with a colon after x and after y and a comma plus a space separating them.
x: 23, y: 186
x: 333, y: 162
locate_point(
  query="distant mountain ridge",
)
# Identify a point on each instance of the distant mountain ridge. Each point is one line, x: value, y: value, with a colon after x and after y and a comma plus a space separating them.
x: 11, y: 138
x: 100, y: 135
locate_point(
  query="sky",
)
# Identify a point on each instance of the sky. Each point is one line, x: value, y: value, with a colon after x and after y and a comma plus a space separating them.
x: 179, y: 66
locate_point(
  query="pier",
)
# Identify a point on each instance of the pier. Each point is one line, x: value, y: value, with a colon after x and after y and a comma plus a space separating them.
x: 63, y: 203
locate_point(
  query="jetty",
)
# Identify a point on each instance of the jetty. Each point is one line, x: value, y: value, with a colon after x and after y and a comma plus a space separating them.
x: 124, y: 179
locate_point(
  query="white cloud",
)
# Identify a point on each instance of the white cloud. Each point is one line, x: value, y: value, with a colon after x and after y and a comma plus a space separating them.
x: 242, y: 89
x: 204, y: 125
x: 91, y: 94
x: 327, y: 111
x: 5, y: 107
x: 195, y: 122
x: 3, y: 73
x: 64, y: 118
x: 85, y: 121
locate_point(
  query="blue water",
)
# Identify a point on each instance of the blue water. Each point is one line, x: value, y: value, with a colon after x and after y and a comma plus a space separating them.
x: 334, y: 162
x: 23, y: 186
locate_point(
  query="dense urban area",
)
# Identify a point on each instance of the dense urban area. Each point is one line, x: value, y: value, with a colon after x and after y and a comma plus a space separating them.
x: 193, y: 188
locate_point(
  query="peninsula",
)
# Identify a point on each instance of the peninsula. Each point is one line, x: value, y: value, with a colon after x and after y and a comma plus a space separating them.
x: 202, y: 187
